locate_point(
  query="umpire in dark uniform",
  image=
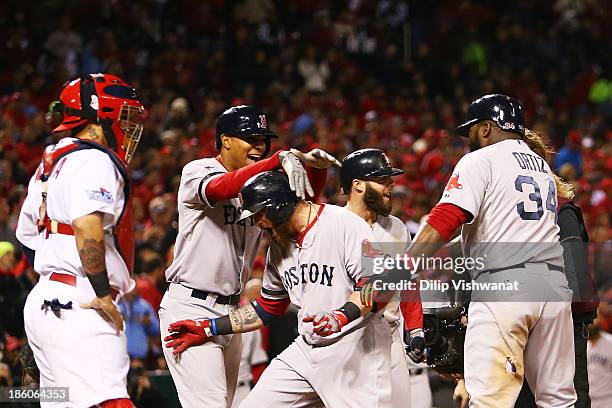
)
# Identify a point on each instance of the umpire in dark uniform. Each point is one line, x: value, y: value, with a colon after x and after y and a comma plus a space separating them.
x: 574, y: 238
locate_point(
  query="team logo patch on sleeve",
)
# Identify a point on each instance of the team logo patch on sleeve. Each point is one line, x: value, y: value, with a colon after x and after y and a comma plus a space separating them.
x: 368, y: 250
x: 101, y: 195
x: 453, y: 183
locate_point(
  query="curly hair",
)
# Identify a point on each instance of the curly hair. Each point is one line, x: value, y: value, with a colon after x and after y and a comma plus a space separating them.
x: 536, y: 142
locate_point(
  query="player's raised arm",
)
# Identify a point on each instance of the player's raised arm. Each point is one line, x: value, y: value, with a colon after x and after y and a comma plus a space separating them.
x: 243, y: 138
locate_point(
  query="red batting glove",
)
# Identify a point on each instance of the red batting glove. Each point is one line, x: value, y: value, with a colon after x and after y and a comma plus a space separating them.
x: 326, y: 324
x: 187, y: 333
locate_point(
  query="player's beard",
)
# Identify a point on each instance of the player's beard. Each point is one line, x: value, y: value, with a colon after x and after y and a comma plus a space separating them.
x: 282, y: 237
x: 375, y: 201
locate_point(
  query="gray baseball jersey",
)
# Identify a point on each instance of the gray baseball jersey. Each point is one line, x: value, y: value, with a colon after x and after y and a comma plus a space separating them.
x: 213, y: 251
x: 391, y: 236
x: 319, y: 274
x: 511, y: 193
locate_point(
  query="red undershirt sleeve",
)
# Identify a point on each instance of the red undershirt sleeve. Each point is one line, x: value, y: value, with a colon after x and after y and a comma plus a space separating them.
x: 446, y: 218
x: 412, y: 310
x: 276, y: 307
x: 228, y: 185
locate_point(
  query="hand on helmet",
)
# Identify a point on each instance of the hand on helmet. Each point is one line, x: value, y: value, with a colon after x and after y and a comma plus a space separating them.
x: 317, y: 158
x: 298, y: 179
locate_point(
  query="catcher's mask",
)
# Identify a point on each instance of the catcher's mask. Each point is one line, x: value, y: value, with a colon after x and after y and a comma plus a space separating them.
x: 108, y: 101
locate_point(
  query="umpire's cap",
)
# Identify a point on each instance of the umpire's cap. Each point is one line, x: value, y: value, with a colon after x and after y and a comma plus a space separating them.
x: 268, y: 191
x: 363, y: 164
x: 243, y: 121
x: 505, y: 111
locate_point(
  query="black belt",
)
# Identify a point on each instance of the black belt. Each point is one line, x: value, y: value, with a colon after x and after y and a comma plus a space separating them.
x: 416, y: 371
x: 521, y: 265
x: 221, y: 299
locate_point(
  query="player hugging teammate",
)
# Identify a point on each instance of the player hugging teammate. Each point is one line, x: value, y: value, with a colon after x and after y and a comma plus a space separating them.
x: 315, y: 262
x: 216, y: 247
x: 343, y: 354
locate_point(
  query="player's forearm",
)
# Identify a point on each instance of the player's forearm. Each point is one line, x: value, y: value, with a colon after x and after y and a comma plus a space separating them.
x: 241, y: 320
x: 426, y: 243
x: 355, y: 298
x: 89, y: 236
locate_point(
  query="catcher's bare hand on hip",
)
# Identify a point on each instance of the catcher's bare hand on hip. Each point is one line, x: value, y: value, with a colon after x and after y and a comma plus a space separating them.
x: 108, y: 310
x: 317, y: 158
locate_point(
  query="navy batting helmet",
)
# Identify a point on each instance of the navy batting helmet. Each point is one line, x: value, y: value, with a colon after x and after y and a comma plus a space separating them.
x: 268, y: 191
x: 363, y: 164
x: 245, y: 122
x: 506, y: 112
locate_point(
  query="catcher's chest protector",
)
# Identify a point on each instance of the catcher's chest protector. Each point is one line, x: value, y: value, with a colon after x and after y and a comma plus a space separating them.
x: 123, y: 231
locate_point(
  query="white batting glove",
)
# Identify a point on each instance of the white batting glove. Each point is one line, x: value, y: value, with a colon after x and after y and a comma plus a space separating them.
x: 298, y: 179
x: 317, y: 158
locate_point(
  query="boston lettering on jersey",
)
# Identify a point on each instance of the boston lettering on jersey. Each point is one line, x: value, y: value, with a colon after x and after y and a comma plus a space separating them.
x: 231, y: 213
x: 308, y: 273
x: 530, y: 162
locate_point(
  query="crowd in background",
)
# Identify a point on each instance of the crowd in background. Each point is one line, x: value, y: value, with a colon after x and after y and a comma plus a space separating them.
x: 339, y: 75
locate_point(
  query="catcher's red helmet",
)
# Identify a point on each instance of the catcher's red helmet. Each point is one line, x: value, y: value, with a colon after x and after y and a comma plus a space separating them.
x: 106, y: 100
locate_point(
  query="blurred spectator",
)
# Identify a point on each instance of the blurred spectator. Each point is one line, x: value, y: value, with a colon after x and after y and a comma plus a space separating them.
x: 64, y: 44
x: 570, y: 153
x: 15, y: 199
x: 141, y: 325
x: 314, y: 70
x: 178, y: 116
x: 7, y: 258
x: 151, y: 282
x: 143, y: 392
x: 12, y: 296
x: 7, y: 230
x: 162, y: 229
x: 6, y: 379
